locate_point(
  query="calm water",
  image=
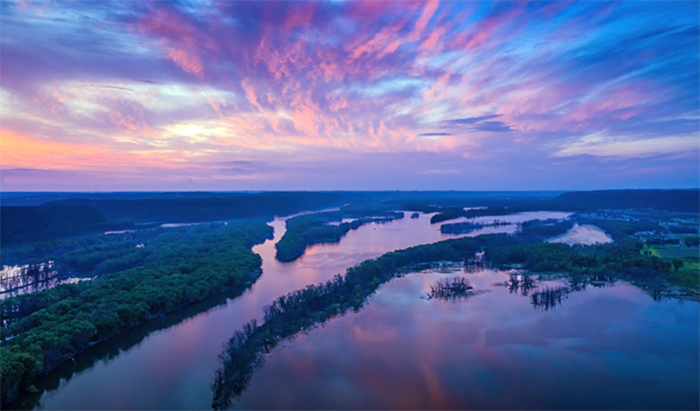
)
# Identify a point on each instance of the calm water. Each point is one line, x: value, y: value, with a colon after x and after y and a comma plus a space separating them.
x: 611, y: 348
x: 172, y: 368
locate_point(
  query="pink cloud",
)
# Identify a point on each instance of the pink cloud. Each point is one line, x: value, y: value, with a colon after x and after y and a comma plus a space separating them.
x: 365, y: 77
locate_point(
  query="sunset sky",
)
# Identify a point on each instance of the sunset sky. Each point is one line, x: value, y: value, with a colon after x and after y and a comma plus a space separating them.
x: 208, y: 95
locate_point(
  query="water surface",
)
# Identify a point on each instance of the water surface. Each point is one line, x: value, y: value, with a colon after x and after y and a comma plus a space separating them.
x: 602, y: 348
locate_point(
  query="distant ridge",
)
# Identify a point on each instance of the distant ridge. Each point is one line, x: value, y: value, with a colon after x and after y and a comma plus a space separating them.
x: 36, y: 221
x: 211, y: 208
x: 670, y: 200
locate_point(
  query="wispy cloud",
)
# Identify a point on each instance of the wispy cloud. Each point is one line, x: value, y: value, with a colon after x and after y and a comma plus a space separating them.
x: 434, y: 134
x: 602, y: 145
x: 460, y: 122
x: 163, y: 86
x: 474, y: 124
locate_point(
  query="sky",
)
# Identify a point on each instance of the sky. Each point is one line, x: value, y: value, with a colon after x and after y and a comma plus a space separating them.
x: 348, y: 95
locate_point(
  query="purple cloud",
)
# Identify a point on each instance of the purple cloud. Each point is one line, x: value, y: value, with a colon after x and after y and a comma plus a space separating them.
x: 186, y: 87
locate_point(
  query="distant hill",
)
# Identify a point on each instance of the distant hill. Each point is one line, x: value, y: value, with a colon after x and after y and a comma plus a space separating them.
x: 215, y: 206
x: 438, y: 197
x: 78, y: 216
x: 29, y: 222
x: 669, y: 200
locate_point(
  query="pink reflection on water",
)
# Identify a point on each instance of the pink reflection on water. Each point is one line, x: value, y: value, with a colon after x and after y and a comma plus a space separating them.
x: 350, y: 362
x: 491, y: 351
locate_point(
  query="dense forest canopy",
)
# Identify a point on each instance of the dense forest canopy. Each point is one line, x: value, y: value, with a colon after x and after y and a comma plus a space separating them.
x: 183, y: 265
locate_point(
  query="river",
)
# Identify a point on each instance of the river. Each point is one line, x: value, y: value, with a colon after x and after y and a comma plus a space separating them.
x: 170, y: 365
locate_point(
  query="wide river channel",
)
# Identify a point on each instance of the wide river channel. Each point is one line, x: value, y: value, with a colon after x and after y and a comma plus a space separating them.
x: 610, y: 346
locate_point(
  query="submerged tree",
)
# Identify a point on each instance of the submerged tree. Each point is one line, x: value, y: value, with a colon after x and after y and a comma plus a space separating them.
x: 451, y: 288
x: 521, y: 282
x: 549, y: 297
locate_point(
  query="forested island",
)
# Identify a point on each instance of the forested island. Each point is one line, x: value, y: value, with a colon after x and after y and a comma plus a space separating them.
x: 328, y: 227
